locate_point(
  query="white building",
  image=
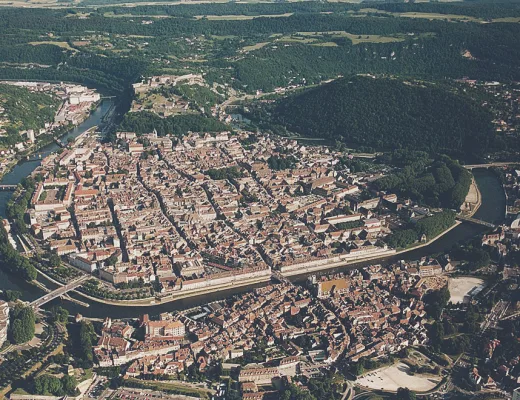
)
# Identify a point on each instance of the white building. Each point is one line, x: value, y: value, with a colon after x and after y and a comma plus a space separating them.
x: 4, y: 321
x: 82, y: 263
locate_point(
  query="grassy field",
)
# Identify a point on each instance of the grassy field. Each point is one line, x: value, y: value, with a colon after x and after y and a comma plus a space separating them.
x: 63, y: 45
x: 325, y: 44
x: 438, y: 16
x: 296, y: 39
x: 112, y: 15
x: 508, y: 19
x: 222, y: 37
x: 356, y: 39
x: 322, y: 39
x: 255, y: 46
x: 240, y: 17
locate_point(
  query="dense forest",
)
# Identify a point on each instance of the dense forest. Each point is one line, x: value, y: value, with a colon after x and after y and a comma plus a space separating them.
x: 442, y: 182
x: 146, y: 122
x: 477, y: 10
x: 12, y: 261
x: 429, y: 226
x: 426, y: 48
x: 387, y: 114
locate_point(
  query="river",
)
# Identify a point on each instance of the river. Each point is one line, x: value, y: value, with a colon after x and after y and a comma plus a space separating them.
x: 491, y: 210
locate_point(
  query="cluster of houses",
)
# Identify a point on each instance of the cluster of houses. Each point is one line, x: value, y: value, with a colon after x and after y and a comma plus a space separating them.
x: 382, y: 306
x: 225, y: 332
x: 505, y: 98
x: 116, y: 346
x: 286, y: 329
x: 207, y: 210
x: 76, y: 104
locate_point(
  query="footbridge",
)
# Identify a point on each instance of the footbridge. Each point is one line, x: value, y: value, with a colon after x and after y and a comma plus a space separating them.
x: 8, y: 187
x: 491, y: 165
x: 476, y: 221
x: 59, y: 292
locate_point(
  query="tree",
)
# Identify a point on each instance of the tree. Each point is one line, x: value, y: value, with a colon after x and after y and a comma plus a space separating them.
x: 86, y: 335
x: 59, y: 314
x: 47, y: 384
x: 69, y: 384
x: 23, y: 324
x: 54, y: 260
x: 112, y: 260
x: 358, y: 368
x: 12, y: 295
x: 436, y: 301
x: 405, y: 394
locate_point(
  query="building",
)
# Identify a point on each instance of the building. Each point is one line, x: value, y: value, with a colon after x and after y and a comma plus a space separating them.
x: 164, y: 328
x: 83, y: 263
x: 260, y: 376
x: 4, y: 321
x: 30, y: 135
x: 339, y: 286
x: 516, y: 394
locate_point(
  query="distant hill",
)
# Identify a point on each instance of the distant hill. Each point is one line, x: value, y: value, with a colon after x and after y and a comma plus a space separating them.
x: 387, y: 114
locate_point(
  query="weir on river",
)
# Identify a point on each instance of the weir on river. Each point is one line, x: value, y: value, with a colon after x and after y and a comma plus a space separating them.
x: 492, y: 211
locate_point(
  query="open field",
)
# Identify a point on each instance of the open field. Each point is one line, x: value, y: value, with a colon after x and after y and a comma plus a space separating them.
x: 240, y: 17
x: 222, y: 37
x: 356, y: 39
x: 112, y: 15
x: 30, y: 3
x: 395, y: 376
x: 296, y: 39
x: 325, y: 44
x: 460, y: 287
x: 63, y: 45
x: 255, y: 46
x: 507, y: 19
x: 437, y: 16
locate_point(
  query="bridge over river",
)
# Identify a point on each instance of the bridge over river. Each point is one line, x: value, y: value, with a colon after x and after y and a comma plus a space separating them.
x: 476, y: 221
x: 8, y: 187
x: 58, y: 292
x: 493, y: 164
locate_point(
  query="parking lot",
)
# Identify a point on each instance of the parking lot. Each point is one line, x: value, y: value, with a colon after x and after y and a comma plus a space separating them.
x: 395, y: 376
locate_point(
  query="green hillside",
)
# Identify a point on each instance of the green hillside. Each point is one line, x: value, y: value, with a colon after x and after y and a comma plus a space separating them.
x: 24, y: 110
x: 387, y: 114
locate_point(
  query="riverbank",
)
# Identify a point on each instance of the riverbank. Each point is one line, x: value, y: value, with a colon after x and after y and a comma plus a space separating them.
x: 491, y: 209
x: 48, y: 138
x: 473, y: 200
x: 342, y: 264
x: 155, y: 301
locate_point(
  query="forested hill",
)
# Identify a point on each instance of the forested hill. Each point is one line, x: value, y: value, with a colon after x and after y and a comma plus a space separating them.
x: 387, y: 114
x: 22, y: 109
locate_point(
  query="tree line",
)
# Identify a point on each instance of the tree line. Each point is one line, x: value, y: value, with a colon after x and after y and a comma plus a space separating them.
x: 178, y: 125
x: 440, y: 182
x: 429, y: 226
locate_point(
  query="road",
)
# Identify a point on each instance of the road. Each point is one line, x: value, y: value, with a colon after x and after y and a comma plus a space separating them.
x: 494, y: 316
x: 59, y: 292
